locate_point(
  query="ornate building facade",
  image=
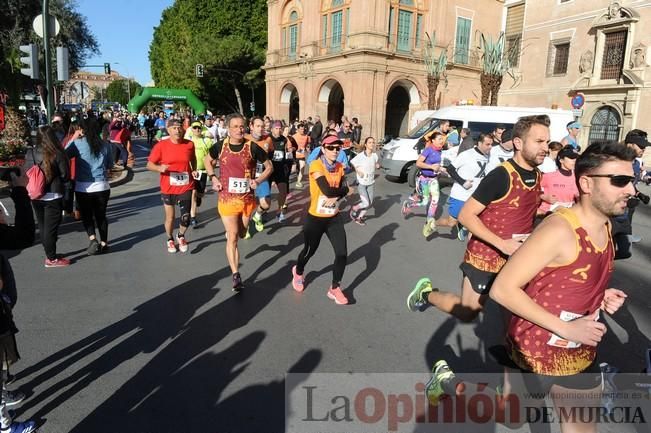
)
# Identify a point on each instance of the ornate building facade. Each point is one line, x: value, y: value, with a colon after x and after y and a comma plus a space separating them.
x: 364, y: 58
x: 598, y: 49
x: 83, y: 87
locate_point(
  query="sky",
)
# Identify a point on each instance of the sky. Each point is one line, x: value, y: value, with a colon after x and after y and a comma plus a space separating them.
x: 123, y: 30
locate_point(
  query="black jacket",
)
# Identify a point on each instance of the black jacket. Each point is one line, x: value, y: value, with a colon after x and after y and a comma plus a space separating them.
x: 315, y: 133
x: 21, y: 234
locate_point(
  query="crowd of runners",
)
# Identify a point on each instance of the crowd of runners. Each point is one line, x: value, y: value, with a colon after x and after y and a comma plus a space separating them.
x: 535, y: 213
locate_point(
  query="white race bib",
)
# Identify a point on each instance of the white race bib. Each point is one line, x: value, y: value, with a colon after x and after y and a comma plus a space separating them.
x: 323, y: 209
x: 259, y: 168
x: 368, y: 177
x: 289, y: 155
x: 179, y: 178
x: 557, y: 341
x: 238, y: 185
x: 278, y: 155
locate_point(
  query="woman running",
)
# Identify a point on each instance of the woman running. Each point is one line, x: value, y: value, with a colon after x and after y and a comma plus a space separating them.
x: 327, y: 186
x: 93, y: 160
x: 303, y: 148
x: 365, y: 164
x: 429, y: 163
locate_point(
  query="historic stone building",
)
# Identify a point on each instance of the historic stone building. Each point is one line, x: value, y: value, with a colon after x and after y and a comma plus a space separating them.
x: 364, y: 58
x: 597, y: 48
x: 83, y: 87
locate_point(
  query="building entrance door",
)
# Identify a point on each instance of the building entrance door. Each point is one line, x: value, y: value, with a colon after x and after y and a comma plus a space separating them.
x: 397, y: 112
x: 336, y: 103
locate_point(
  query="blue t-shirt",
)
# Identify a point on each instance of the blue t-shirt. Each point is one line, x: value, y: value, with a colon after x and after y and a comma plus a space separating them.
x: 159, y: 124
x: 341, y: 157
x: 572, y: 142
x: 432, y: 156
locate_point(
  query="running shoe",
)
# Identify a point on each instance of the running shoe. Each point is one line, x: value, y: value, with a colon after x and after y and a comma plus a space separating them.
x: 360, y: 221
x: 183, y: 244
x: 171, y: 247
x: 103, y: 249
x: 58, y: 262
x: 337, y: 295
x: 352, y: 213
x: 405, y: 208
x: 22, y: 427
x: 193, y: 221
x: 441, y: 373
x: 257, y: 220
x: 237, y: 282
x: 12, y: 398
x: 429, y: 228
x: 247, y: 235
x: 299, y: 185
x: 93, y: 247
x: 417, y: 299
x: 462, y: 233
x: 297, y: 280
x: 281, y: 216
x: 285, y: 205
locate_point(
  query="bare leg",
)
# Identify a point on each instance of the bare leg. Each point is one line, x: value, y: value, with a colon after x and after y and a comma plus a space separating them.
x: 232, y: 225
x: 169, y: 220
x: 465, y: 307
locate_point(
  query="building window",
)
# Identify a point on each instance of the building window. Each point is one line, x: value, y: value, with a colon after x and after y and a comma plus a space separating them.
x: 403, y: 19
x: 289, y: 35
x: 559, y: 53
x: 335, y: 23
x: 604, y: 125
x: 462, y: 44
x: 513, y: 33
x: 613, y: 56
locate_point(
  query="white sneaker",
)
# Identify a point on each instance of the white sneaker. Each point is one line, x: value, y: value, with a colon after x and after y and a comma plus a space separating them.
x: 171, y: 247
x: 183, y: 244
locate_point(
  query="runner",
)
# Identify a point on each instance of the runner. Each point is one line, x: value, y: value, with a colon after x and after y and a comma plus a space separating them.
x: 571, y: 139
x: 559, y: 187
x: 263, y: 190
x: 467, y: 170
x: 365, y: 164
x: 303, y: 147
x: 429, y: 161
x: 202, y: 146
x: 282, y: 159
x: 499, y: 214
x: 327, y: 186
x: 236, y: 202
x: 549, y: 164
x: 501, y: 151
x: 175, y: 160
x: 568, y: 258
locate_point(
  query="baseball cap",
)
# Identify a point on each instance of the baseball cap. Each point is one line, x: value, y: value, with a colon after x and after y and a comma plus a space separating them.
x: 640, y: 141
x: 574, y: 125
x: 567, y: 152
x: 196, y: 124
x: 331, y: 139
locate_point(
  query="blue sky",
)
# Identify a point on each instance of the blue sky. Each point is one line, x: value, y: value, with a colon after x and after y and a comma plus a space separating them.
x: 123, y: 29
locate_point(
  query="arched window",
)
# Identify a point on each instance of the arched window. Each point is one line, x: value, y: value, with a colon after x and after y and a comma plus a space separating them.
x: 290, y: 34
x: 405, y: 25
x: 604, y: 125
x: 335, y: 25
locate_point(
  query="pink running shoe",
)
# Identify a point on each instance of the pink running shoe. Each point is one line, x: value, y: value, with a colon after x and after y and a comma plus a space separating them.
x: 337, y: 295
x: 58, y: 262
x: 297, y: 280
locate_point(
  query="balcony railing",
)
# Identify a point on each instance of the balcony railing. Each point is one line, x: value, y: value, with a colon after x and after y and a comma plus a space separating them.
x: 464, y: 56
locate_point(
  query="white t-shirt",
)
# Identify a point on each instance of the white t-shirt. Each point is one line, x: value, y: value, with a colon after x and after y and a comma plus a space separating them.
x: 472, y: 165
x: 548, y: 165
x: 497, y: 156
x: 365, y: 164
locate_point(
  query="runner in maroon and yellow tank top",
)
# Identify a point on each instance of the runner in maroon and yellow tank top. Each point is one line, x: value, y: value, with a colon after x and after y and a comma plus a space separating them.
x: 499, y: 214
x: 236, y: 202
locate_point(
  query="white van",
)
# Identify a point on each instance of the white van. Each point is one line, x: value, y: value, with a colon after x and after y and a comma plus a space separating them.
x: 400, y: 154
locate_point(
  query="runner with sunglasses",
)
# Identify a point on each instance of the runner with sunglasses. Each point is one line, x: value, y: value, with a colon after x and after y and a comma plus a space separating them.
x: 202, y: 146
x: 327, y: 186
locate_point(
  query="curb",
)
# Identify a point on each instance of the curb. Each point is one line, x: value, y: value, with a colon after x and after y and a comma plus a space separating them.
x: 125, y: 176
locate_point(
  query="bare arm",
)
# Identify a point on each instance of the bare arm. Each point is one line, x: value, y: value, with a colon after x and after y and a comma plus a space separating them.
x: 469, y: 217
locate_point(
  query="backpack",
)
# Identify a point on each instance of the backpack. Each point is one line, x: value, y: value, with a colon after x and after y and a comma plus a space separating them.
x: 35, y: 182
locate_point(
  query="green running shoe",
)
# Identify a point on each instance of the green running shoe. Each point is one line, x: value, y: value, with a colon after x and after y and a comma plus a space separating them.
x: 429, y: 228
x: 417, y: 299
x: 259, y: 225
x: 441, y: 372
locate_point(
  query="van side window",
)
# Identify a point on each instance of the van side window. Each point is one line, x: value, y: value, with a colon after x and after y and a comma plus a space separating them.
x: 477, y: 128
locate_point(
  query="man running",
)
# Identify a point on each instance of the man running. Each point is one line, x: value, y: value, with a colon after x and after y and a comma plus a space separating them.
x: 175, y: 160
x: 263, y: 190
x: 500, y: 214
x: 571, y: 139
x: 282, y: 160
x: 202, y: 145
x: 236, y: 202
x: 501, y: 151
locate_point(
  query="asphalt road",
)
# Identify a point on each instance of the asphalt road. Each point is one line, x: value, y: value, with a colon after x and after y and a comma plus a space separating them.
x: 140, y: 340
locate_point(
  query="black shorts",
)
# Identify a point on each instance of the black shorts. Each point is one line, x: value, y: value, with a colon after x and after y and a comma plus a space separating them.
x: 200, y: 184
x: 481, y: 281
x: 174, y: 199
x: 280, y: 173
x: 541, y: 383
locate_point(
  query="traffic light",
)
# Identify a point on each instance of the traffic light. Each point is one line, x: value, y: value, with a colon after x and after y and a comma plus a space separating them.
x: 62, y: 64
x: 107, y: 68
x: 30, y: 59
x: 252, y: 107
x: 198, y: 70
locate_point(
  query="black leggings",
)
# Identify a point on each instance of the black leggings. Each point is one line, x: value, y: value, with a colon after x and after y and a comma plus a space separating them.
x: 313, y: 230
x: 92, y: 206
x: 48, y: 215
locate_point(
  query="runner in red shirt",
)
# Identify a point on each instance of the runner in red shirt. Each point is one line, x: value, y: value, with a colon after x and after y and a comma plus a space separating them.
x: 175, y: 160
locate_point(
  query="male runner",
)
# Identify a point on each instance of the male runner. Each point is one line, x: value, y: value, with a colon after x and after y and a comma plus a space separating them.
x: 282, y: 159
x: 263, y: 190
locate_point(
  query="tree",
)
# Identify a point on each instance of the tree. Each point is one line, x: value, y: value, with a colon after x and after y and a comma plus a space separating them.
x: 16, y: 18
x: 495, y: 64
x: 219, y: 34
x: 118, y: 91
x: 436, y: 67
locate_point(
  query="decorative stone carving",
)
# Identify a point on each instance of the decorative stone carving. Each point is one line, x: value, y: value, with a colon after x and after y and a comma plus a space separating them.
x: 614, y: 11
x: 638, y: 56
x: 585, y: 63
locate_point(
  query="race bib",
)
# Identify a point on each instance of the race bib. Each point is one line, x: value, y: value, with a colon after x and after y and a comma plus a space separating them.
x: 557, y: 341
x: 367, y: 177
x: 259, y: 168
x: 179, y: 178
x: 238, y: 185
x: 289, y: 155
x: 323, y: 209
x: 197, y: 175
x: 278, y: 155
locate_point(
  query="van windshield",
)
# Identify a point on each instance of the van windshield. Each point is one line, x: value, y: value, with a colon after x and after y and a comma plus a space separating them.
x: 420, y: 129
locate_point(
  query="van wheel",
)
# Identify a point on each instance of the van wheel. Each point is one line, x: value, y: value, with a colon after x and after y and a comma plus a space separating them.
x: 412, y: 175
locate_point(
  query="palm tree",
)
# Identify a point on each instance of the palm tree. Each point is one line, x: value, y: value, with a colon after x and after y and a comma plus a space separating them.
x: 495, y: 64
x: 436, y: 67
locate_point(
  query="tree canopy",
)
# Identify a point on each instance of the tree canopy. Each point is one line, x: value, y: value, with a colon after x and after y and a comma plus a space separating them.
x: 222, y: 35
x: 117, y: 91
x: 16, y: 17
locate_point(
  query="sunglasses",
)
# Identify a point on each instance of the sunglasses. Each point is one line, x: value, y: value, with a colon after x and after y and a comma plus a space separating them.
x: 616, y: 180
x: 327, y: 147
x: 196, y: 127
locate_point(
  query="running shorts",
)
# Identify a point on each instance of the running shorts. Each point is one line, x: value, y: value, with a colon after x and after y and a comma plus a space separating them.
x: 540, y: 384
x: 263, y: 190
x: 174, y: 199
x: 280, y: 173
x: 454, y: 207
x: 236, y: 207
x: 481, y: 281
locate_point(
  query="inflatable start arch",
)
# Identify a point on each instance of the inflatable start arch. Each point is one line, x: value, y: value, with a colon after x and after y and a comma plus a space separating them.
x: 160, y: 94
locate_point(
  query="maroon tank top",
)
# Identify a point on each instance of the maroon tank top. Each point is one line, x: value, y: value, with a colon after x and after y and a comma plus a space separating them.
x: 236, y: 168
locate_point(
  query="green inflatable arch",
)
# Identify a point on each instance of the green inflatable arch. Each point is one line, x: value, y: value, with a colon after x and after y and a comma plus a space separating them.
x: 160, y: 94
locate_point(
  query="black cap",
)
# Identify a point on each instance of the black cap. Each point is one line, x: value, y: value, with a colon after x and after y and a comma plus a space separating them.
x: 567, y: 152
x: 640, y: 141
